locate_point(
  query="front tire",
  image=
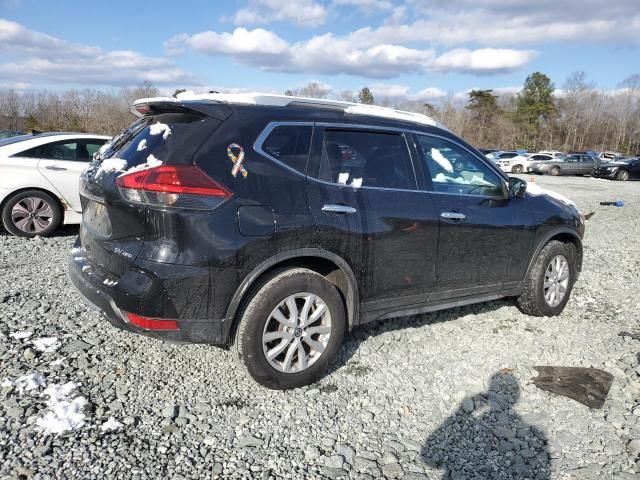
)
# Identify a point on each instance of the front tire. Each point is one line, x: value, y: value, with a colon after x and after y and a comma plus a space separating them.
x: 517, y: 169
x: 622, y: 175
x: 30, y: 213
x: 291, y: 329
x: 550, y: 281
x: 555, y: 171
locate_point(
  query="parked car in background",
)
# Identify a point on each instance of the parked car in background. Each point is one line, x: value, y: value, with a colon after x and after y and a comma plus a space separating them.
x: 622, y: 169
x: 520, y: 163
x: 500, y: 155
x: 39, y: 176
x: 486, y: 151
x: 574, y: 164
x: 10, y: 133
x: 610, y: 156
x: 275, y: 224
x: 553, y: 153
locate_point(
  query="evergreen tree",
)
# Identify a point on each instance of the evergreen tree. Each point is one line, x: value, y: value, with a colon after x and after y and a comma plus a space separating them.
x: 365, y: 96
x: 484, y: 107
x: 535, y: 106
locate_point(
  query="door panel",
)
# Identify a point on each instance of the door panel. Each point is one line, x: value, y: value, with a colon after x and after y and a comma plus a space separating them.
x: 387, y: 234
x: 64, y: 176
x: 481, y: 230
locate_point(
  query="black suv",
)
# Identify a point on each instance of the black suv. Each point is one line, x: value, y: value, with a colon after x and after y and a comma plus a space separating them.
x: 275, y: 225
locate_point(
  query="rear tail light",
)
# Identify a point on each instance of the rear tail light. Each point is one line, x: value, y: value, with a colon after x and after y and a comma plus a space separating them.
x: 146, y: 323
x: 182, y: 186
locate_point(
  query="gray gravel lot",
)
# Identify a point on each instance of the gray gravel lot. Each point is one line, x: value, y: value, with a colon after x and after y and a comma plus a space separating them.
x: 448, y: 393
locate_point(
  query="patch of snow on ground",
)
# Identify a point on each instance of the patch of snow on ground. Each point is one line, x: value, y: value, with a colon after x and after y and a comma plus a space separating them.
x: 142, y: 145
x: 46, y: 344
x: 21, y: 335
x: 535, y: 189
x: 160, y: 128
x: 26, y: 383
x: 441, y: 160
x: 64, y: 414
x: 111, y: 424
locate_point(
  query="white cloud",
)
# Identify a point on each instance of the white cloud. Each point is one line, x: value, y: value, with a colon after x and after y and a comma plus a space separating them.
x: 365, y: 5
x: 52, y: 60
x: 485, y: 60
x: 329, y: 54
x: 306, y: 13
x: 431, y: 93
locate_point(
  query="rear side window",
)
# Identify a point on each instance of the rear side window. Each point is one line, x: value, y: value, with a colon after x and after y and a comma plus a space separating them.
x: 360, y: 158
x: 170, y: 138
x: 81, y: 150
x: 290, y: 145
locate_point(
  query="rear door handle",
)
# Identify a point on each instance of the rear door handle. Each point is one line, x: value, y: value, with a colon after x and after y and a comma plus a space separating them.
x: 53, y: 167
x: 453, y: 216
x: 338, y: 209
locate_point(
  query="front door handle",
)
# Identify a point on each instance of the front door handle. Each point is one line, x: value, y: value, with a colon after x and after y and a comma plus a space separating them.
x: 338, y: 209
x: 457, y: 216
x: 54, y: 167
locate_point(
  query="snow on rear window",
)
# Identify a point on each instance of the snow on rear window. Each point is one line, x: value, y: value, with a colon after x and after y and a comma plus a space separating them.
x: 171, y: 138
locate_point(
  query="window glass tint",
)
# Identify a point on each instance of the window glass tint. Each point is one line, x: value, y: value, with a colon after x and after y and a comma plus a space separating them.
x: 290, y: 144
x: 455, y: 170
x: 172, y: 138
x: 80, y: 151
x: 366, y: 159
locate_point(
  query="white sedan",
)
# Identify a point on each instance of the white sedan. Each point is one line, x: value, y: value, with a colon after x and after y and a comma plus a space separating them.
x: 519, y: 164
x: 39, y: 176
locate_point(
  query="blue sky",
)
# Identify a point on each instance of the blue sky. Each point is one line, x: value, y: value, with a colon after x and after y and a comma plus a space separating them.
x: 410, y: 48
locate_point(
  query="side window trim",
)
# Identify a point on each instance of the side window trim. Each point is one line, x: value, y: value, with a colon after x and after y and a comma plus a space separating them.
x: 257, y: 146
x: 427, y: 174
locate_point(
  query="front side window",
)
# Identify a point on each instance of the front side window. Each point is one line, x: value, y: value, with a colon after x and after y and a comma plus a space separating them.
x: 290, y: 144
x: 362, y: 158
x: 455, y: 170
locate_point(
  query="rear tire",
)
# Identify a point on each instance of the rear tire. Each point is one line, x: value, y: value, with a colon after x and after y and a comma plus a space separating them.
x: 537, y: 298
x: 30, y: 213
x: 297, y: 354
x: 555, y: 171
x: 622, y: 175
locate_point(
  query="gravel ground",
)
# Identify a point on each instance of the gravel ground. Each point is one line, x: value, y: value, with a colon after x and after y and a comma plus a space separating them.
x: 448, y: 393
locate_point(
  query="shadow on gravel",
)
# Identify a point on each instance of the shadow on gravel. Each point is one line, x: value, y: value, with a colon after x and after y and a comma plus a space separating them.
x: 485, y: 438
x: 359, y: 334
x: 63, y: 231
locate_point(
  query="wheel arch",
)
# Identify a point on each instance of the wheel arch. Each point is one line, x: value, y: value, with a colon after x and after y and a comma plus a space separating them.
x: 564, y: 235
x: 54, y: 195
x: 335, y: 269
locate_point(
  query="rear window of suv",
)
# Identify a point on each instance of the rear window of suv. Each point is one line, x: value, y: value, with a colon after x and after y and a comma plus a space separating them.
x: 171, y: 138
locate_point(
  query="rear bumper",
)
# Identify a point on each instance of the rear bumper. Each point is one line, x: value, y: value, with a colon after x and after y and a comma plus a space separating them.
x: 134, y: 292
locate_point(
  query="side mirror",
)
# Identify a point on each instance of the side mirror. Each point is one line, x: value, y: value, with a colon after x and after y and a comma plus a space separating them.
x: 517, y: 187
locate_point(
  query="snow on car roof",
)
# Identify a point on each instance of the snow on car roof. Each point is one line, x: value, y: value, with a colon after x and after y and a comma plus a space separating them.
x: 268, y: 99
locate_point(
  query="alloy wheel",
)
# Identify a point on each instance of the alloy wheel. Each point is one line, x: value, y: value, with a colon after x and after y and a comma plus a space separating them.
x: 556, y: 280
x: 32, y: 215
x: 623, y: 175
x: 297, y: 332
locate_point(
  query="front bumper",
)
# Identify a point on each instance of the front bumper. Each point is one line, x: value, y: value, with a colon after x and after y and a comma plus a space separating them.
x: 133, y: 293
x: 604, y: 173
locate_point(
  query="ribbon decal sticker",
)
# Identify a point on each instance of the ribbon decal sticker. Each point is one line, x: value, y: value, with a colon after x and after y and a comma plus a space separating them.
x: 237, y: 159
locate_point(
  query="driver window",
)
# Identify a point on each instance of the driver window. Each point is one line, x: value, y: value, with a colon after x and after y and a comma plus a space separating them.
x: 455, y: 170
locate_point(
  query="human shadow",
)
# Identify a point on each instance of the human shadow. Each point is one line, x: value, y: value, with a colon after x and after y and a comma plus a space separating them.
x: 486, y: 439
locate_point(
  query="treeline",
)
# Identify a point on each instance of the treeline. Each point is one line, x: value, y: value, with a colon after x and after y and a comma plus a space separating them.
x: 72, y: 110
x: 577, y: 116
